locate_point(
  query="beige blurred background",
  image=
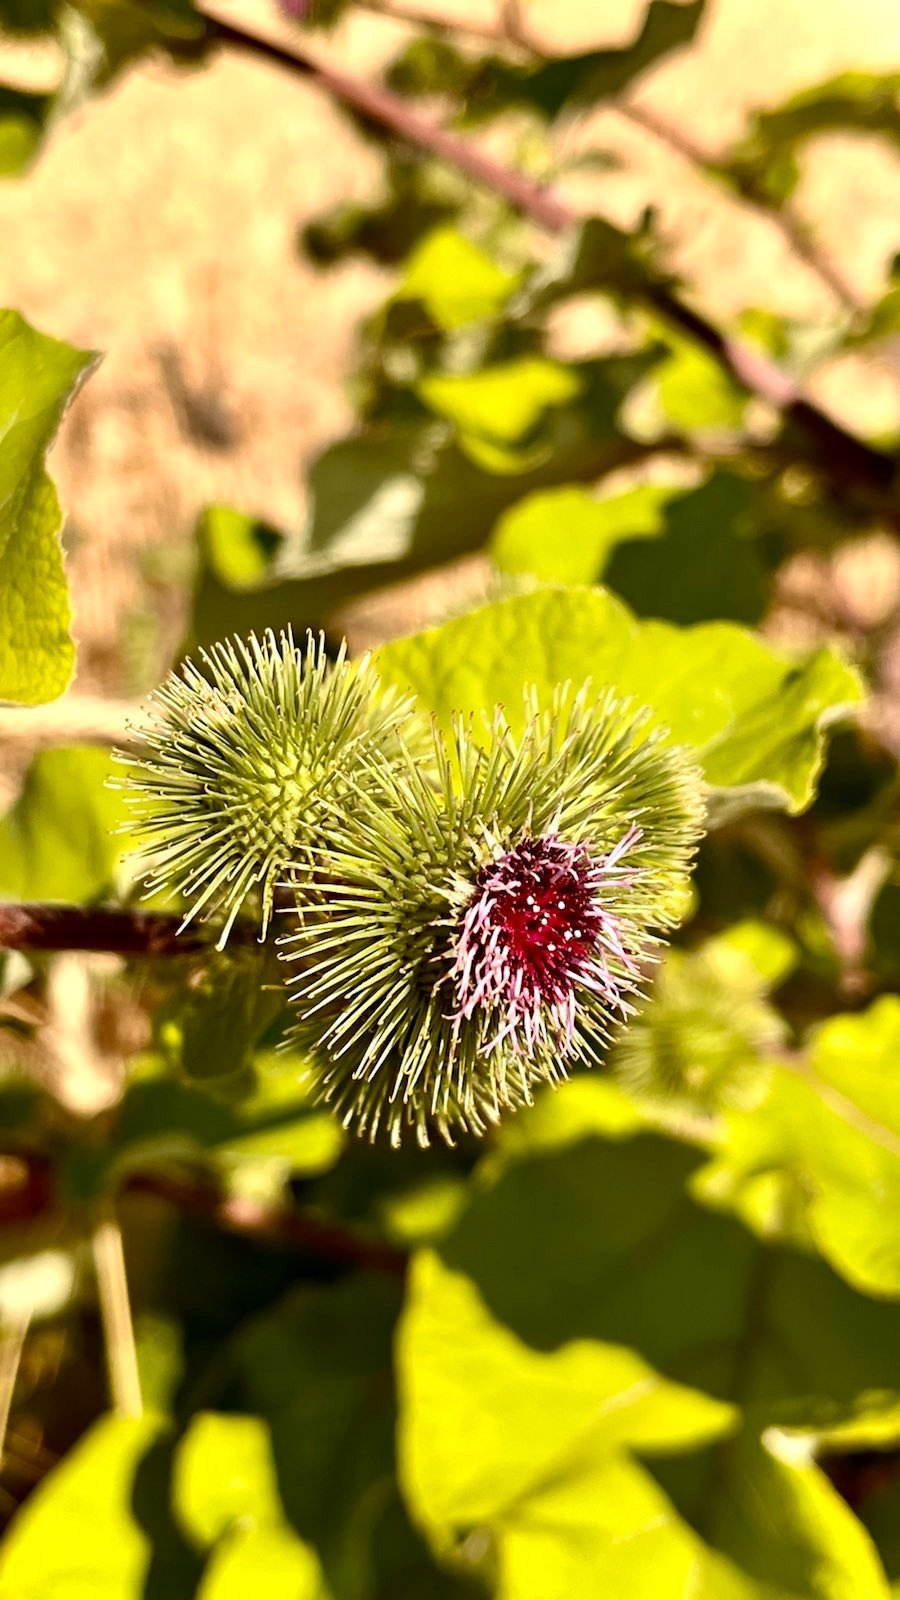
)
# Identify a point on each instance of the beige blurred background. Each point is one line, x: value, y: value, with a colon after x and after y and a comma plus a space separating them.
x: 160, y: 227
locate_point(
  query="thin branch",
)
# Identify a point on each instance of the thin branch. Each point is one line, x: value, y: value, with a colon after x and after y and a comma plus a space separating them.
x: 793, y: 228
x: 115, y: 1310
x: 508, y: 29
x: 840, y: 457
x: 277, y: 1226
x: 388, y: 111
x: 503, y: 31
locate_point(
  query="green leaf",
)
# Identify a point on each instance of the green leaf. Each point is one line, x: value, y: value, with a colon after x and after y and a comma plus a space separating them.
x: 419, y: 196
x: 78, y: 1537
x: 755, y: 718
x: 225, y: 1474
x: 239, y: 550
x: 208, y: 1028
x: 397, y: 499
x: 318, y: 1369
x: 159, y: 1343
x: 160, y: 1118
x: 880, y: 1511
x: 764, y: 165
x: 695, y: 394
x: 38, y: 377
x: 268, y: 1561
x: 685, y: 555
x: 603, y: 74
x: 26, y: 17
x: 455, y: 279
x: 59, y: 840
x: 22, y: 118
x: 628, y: 1419
x: 829, y: 1133
x: 225, y: 1492
x: 500, y: 406
x: 548, y: 88
x: 769, y: 1530
x: 884, y: 929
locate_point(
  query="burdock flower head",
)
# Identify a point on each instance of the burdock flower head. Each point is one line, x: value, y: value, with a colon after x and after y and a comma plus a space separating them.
x: 243, y: 755
x: 484, y: 919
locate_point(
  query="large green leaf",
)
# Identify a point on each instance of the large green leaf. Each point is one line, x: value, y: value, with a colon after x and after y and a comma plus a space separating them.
x: 755, y: 718
x: 271, y: 1561
x: 59, y: 840
x: 615, y: 1382
x: 685, y: 555
x: 829, y: 1132
x: 225, y: 1493
x: 38, y: 377
x: 318, y: 1369
x: 94, y: 1527
x: 768, y: 1530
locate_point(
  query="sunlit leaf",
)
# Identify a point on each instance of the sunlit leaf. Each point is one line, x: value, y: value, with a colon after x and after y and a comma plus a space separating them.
x: 455, y: 279
x: 755, y: 718
x: 686, y: 555
x: 599, y: 1440
x: 80, y: 1537
x: 59, y: 840
x: 38, y: 377
x: 828, y: 1133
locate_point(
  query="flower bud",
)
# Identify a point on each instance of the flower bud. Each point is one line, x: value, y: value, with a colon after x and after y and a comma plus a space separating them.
x: 244, y: 758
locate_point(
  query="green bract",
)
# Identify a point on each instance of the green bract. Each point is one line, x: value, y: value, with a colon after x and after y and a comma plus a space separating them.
x: 431, y: 981
x: 246, y: 755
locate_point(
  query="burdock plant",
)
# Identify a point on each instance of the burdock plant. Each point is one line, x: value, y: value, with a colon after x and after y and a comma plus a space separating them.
x: 465, y: 920
x: 484, y: 920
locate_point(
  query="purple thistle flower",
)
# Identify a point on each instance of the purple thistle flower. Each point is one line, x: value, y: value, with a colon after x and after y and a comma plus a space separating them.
x: 483, y: 921
x: 535, y: 932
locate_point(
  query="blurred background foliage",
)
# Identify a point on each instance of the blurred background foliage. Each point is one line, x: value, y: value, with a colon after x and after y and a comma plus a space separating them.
x: 523, y: 343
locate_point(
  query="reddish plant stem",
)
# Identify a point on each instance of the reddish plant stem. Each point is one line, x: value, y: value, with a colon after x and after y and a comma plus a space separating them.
x: 31, y: 926
x: 388, y: 111
x: 279, y: 1227
x: 27, y: 1192
x: 841, y: 458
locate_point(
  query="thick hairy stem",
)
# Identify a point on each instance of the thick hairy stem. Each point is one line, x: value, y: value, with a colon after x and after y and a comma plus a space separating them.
x: 31, y: 926
x: 115, y: 1310
x: 843, y: 460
